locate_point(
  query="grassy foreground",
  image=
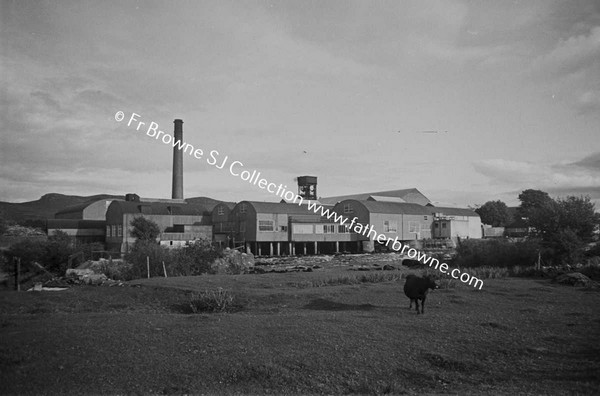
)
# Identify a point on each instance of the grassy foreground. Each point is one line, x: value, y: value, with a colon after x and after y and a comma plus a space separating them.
x: 515, y: 336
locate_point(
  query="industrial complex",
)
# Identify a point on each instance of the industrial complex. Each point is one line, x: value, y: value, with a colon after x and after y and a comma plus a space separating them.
x: 270, y: 228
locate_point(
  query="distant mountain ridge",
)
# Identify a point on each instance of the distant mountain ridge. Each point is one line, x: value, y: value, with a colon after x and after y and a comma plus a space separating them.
x: 49, y: 204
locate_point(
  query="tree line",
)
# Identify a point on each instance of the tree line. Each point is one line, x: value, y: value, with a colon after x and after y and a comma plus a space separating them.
x: 563, y: 227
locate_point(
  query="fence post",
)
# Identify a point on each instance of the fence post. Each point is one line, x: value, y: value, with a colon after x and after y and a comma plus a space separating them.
x: 148, y: 265
x: 17, y: 273
x: 164, y: 269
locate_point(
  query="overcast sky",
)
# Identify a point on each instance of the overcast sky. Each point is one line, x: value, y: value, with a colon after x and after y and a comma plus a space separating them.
x: 341, y: 90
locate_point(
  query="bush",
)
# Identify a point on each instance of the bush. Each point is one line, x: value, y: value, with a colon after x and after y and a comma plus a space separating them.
x: 219, y: 300
x: 195, y: 259
x: 88, y: 248
x: 28, y: 250
x: 138, y: 255
x: 496, y: 253
x: 58, y: 248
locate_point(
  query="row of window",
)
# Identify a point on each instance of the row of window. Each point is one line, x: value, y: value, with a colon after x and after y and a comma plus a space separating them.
x: 320, y: 229
x: 114, y: 231
x: 388, y: 227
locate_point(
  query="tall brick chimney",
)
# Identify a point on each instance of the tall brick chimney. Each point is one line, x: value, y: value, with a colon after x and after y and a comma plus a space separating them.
x: 177, y: 162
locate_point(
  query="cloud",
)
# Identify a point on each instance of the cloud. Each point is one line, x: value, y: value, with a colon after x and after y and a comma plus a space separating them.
x: 571, y: 55
x: 572, y: 68
x: 591, y: 162
x: 522, y: 174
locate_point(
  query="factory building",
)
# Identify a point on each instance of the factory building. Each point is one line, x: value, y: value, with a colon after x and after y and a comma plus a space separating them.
x: 269, y: 228
x: 172, y: 217
x: 263, y: 227
x: 85, y: 223
x: 86, y: 211
x: 83, y: 231
x: 223, y: 228
x: 405, y: 221
x: 456, y: 223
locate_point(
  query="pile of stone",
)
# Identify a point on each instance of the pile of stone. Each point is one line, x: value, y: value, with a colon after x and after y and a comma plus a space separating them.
x: 374, y: 267
x: 576, y: 279
x: 233, y: 262
x: 279, y: 269
x: 87, y: 276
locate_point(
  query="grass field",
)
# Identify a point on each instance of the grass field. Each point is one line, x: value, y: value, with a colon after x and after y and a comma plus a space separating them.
x: 288, y: 336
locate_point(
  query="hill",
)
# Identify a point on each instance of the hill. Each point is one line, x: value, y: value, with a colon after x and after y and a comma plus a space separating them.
x: 49, y: 204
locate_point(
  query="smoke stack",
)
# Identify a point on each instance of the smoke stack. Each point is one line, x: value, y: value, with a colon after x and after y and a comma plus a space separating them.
x: 178, y: 162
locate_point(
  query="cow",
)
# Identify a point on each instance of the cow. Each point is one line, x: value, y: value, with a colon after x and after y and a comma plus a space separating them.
x: 416, y: 288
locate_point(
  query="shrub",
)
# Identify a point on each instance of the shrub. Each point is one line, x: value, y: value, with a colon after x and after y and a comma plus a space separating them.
x: 219, y: 300
x: 28, y: 250
x: 88, y: 248
x: 138, y: 255
x: 194, y: 259
x: 115, y: 269
x: 58, y: 248
x: 496, y: 253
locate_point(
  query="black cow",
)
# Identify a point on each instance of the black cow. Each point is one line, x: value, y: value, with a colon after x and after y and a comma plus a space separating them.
x: 416, y: 288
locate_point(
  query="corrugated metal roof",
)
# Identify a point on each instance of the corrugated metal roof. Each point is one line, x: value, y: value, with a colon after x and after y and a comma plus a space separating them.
x: 74, y: 224
x: 364, y: 196
x: 453, y: 211
x: 385, y: 199
x: 411, y: 208
x: 279, y: 207
x: 75, y: 208
x: 159, y: 208
x: 395, y: 207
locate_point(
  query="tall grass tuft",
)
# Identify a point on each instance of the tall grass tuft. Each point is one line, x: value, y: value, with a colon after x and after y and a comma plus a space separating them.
x: 219, y: 300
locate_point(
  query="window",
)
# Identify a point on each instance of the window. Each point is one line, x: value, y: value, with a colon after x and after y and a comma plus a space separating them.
x: 243, y: 208
x: 283, y: 228
x: 302, y: 228
x: 113, y: 230
x: 329, y: 229
x: 220, y: 211
x: 424, y: 217
x: 443, y: 225
x: 437, y: 225
x: 348, y: 208
x: 389, y: 226
x: 108, y: 231
x: 265, y: 225
x: 343, y: 229
x: 413, y: 226
x: 120, y: 230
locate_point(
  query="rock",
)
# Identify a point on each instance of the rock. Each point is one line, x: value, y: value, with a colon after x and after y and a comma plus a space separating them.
x: 573, y: 279
x: 95, y: 279
x: 234, y: 262
x: 78, y: 273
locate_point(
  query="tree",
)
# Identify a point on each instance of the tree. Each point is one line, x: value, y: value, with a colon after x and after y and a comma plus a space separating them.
x: 564, y: 225
x: 494, y: 213
x: 58, y: 248
x: 29, y: 250
x: 3, y: 226
x: 531, y: 200
x: 144, y: 229
x: 579, y: 215
x: 143, y: 252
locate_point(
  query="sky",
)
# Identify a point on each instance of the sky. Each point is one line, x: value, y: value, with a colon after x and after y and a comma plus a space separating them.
x: 341, y: 90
